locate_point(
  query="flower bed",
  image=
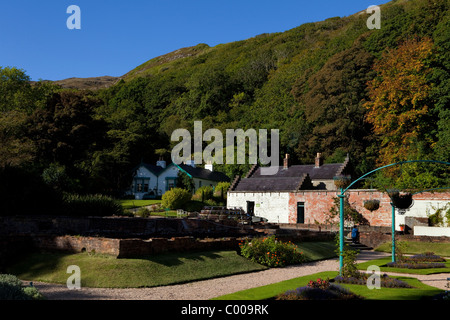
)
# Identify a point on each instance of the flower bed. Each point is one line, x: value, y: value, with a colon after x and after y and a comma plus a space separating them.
x: 385, y: 281
x: 416, y: 265
x: 319, y: 290
x: 425, y: 257
x: 425, y: 260
x: 271, y: 252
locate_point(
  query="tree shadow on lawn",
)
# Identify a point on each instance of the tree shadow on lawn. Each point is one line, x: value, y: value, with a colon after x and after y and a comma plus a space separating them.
x: 171, y: 259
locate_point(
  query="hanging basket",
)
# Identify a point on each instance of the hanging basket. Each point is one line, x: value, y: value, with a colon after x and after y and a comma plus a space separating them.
x: 342, y: 182
x: 372, y: 205
x: 402, y: 200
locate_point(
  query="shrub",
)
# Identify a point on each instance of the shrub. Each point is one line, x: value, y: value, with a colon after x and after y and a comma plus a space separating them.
x: 203, y: 193
x: 91, y: 205
x: 220, y: 190
x: 175, y: 198
x: 143, y: 212
x: 11, y: 289
x: 271, y: 252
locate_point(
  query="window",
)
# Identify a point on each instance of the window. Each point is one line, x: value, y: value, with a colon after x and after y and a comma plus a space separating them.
x: 171, y: 183
x: 141, y: 184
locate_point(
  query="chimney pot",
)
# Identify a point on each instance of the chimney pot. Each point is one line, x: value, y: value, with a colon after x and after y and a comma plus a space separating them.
x: 319, y: 160
x: 286, y: 161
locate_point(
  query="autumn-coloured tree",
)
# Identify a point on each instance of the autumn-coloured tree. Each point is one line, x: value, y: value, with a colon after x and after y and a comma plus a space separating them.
x: 399, y: 102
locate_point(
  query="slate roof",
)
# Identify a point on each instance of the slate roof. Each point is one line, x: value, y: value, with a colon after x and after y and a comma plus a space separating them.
x: 324, y: 172
x: 195, y: 172
x: 152, y: 168
x: 271, y: 184
x: 294, y: 178
x: 202, y: 173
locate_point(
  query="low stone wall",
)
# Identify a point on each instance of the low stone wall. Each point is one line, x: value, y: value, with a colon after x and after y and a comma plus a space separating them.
x: 130, y: 248
x: 77, y: 244
x: 118, y: 227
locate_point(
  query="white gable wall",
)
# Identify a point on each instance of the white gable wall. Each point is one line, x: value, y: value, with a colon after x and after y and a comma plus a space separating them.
x: 143, y: 172
x: 170, y: 172
x: 274, y: 206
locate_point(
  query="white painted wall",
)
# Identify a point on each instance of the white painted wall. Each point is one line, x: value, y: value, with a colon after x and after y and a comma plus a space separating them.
x: 274, y: 206
x: 170, y: 172
x: 431, y: 231
x: 142, y: 172
x: 420, y: 209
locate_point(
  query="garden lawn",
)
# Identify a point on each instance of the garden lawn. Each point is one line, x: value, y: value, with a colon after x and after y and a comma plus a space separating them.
x: 130, y: 204
x: 419, y: 291
x: 415, y: 247
x: 271, y: 290
x: 102, y: 271
x: 319, y: 250
x: 383, y: 261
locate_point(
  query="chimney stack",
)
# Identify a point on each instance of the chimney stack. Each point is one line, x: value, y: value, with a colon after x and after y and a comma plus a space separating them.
x: 286, y: 162
x: 319, y: 160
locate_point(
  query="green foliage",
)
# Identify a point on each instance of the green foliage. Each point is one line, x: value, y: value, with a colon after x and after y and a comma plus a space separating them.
x: 310, y: 82
x: 220, y: 190
x: 143, y: 212
x: 11, y: 288
x: 185, y: 182
x: 204, y: 193
x: 91, y: 205
x: 351, y: 215
x: 271, y: 252
x: 440, y: 217
x: 175, y: 198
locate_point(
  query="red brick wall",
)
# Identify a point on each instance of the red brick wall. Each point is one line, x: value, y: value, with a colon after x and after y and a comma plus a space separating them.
x: 319, y: 203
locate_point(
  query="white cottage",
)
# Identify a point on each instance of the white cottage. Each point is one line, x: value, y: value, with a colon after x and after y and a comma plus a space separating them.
x: 151, y: 181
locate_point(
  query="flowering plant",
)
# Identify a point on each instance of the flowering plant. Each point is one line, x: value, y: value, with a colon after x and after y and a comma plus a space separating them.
x: 271, y: 252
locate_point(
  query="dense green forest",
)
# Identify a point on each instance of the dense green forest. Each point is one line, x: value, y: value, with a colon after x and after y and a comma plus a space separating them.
x: 333, y: 87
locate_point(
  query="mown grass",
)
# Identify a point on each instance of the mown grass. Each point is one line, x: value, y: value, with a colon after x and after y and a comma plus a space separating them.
x: 102, y: 271
x: 319, y: 250
x: 130, y: 204
x: 420, y: 290
x: 416, y: 247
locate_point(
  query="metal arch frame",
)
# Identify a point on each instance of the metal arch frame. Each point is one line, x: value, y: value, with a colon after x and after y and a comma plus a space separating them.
x: 341, y: 197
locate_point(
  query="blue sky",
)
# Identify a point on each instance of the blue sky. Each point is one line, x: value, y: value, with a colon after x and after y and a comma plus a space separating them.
x: 117, y: 36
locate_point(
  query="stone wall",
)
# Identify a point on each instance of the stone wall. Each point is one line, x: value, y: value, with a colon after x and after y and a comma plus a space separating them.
x: 319, y: 203
x: 118, y: 227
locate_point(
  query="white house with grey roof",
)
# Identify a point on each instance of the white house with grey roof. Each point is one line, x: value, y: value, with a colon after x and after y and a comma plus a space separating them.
x: 269, y: 196
x: 151, y: 181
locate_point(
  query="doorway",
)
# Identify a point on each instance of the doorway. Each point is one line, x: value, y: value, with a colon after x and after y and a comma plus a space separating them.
x: 251, y: 208
x: 300, y: 212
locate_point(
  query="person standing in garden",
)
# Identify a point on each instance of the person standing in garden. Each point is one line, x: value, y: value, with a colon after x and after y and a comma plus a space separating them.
x: 355, y: 234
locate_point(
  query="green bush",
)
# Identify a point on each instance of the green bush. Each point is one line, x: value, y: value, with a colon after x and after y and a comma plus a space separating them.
x: 143, y: 212
x: 175, y: 198
x: 220, y: 190
x: 91, y: 205
x: 271, y: 252
x: 203, y: 193
x: 11, y: 289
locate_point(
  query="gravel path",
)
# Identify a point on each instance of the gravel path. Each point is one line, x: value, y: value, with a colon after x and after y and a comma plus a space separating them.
x: 207, y: 289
